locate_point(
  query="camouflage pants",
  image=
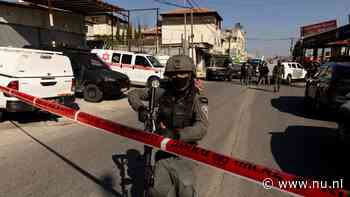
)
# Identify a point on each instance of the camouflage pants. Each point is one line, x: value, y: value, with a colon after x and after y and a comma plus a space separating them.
x: 277, y: 85
x: 174, y: 177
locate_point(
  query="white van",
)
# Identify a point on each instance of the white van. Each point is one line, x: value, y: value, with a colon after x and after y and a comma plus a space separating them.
x: 43, y: 74
x: 140, y: 68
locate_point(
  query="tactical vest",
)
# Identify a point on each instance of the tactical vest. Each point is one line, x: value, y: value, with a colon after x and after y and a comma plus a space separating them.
x: 176, y: 113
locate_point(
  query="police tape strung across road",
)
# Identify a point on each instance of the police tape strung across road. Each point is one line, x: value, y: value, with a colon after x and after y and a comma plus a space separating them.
x: 242, y: 169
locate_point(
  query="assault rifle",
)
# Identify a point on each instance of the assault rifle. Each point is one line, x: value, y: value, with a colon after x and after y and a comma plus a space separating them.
x: 150, y: 126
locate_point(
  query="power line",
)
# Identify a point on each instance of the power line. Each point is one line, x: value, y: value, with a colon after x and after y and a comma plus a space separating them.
x: 272, y: 39
x: 191, y: 2
x: 170, y: 3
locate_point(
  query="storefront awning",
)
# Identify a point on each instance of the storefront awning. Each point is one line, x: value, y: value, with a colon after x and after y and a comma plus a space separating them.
x: 340, y: 43
x: 86, y: 7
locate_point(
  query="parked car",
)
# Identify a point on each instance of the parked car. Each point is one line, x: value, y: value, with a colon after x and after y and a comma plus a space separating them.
x: 44, y: 74
x: 329, y: 86
x: 235, y: 71
x: 94, y: 79
x: 140, y: 68
x: 343, y: 119
x: 293, y: 71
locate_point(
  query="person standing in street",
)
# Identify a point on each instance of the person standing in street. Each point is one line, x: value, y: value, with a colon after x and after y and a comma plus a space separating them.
x: 278, y: 75
x: 263, y: 76
x: 266, y: 74
x: 229, y: 72
x: 244, y: 69
x: 250, y: 74
x: 182, y: 115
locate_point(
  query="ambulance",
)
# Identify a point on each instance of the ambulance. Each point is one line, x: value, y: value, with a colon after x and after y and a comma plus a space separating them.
x: 140, y: 68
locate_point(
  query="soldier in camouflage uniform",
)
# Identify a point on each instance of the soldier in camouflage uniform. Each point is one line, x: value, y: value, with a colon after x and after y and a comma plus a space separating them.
x: 182, y: 115
x: 278, y: 75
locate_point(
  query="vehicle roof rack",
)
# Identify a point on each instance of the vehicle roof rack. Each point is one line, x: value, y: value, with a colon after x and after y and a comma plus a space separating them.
x: 29, y: 50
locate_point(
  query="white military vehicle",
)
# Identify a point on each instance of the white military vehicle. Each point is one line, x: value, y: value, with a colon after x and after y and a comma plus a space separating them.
x: 293, y: 71
x: 43, y: 74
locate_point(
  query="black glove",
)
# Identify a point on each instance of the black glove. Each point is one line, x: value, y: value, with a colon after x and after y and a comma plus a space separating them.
x: 143, y: 114
x: 169, y: 133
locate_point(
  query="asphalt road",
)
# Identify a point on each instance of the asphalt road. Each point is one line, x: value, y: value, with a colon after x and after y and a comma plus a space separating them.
x: 43, y: 156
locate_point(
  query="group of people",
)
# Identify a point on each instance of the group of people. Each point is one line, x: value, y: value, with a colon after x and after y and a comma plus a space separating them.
x: 248, y: 72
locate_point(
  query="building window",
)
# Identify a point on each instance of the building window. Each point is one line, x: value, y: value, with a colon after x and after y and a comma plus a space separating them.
x: 94, y: 19
x: 86, y: 28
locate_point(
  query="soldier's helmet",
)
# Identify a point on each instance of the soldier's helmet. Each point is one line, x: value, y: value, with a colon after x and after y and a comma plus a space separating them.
x: 179, y: 64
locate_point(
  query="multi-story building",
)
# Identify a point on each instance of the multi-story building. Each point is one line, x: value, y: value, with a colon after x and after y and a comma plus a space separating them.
x: 234, y: 42
x: 42, y: 23
x: 176, y: 31
x: 105, y: 25
x: 23, y: 24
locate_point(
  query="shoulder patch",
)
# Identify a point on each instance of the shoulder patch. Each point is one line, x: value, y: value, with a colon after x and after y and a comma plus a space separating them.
x: 204, y: 109
x: 203, y: 100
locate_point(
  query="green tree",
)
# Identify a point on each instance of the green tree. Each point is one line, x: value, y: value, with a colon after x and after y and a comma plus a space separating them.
x: 129, y: 32
x: 139, y: 31
x: 117, y: 35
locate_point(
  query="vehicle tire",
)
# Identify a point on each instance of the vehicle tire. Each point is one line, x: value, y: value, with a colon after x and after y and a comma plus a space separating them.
x: 289, y: 80
x: 92, y: 93
x: 150, y: 79
x: 2, y: 114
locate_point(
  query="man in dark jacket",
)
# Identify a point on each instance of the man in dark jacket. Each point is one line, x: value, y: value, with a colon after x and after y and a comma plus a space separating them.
x: 263, y: 74
x: 278, y: 75
x: 182, y: 115
x: 244, y: 70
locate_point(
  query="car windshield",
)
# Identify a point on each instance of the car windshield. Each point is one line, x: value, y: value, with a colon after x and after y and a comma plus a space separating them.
x: 155, y: 62
x: 220, y: 62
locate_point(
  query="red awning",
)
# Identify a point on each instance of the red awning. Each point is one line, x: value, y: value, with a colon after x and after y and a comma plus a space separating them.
x: 340, y: 42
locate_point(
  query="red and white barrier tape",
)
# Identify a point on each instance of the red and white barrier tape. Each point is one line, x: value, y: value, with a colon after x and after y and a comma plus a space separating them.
x: 242, y: 169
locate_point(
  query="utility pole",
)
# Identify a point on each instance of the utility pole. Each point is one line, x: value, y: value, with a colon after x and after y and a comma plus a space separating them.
x: 192, y: 45
x: 112, y: 44
x: 128, y: 32
x: 291, y: 46
x: 49, y: 3
x: 185, y: 29
x: 157, y: 25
